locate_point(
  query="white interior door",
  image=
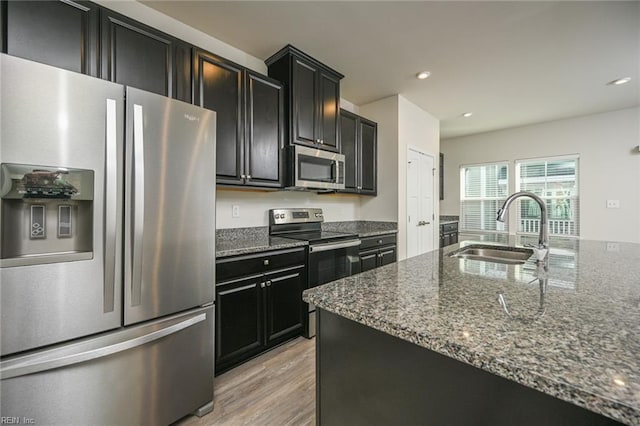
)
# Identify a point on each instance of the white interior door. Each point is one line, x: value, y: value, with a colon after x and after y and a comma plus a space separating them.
x: 420, y: 208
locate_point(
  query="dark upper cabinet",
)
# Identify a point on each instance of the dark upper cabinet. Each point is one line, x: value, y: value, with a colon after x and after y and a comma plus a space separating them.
x: 218, y: 86
x: 264, y: 131
x: 359, y: 145
x: 249, y: 120
x: 62, y: 34
x: 312, y: 98
x: 136, y: 55
x: 349, y: 142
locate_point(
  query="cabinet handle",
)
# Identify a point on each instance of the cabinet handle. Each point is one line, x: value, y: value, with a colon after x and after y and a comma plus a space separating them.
x: 262, y: 285
x: 322, y: 141
x: 243, y: 176
x: 269, y: 283
x: 265, y: 262
x: 379, y: 241
x: 248, y: 176
x: 317, y: 140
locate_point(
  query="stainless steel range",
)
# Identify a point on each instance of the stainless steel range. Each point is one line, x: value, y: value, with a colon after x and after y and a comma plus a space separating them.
x: 332, y: 255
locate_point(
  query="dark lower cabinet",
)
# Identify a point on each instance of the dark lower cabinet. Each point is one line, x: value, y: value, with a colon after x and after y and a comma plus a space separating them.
x: 358, y: 138
x: 283, y: 298
x: 137, y: 55
x: 239, y: 313
x: 258, y: 304
x: 61, y: 34
x: 448, y: 234
x: 377, y: 251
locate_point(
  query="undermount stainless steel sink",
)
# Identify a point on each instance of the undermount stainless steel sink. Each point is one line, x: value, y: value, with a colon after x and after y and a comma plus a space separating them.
x: 497, y: 254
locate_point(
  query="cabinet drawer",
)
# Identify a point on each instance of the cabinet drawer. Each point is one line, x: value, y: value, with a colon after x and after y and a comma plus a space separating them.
x: 377, y: 241
x: 449, y: 227
x: 237, y: 266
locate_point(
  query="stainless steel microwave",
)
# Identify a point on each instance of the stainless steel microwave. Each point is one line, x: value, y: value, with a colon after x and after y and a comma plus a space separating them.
x: 311, y: 168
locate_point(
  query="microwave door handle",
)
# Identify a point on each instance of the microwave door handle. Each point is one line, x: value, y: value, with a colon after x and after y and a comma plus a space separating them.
x: 334, y: 171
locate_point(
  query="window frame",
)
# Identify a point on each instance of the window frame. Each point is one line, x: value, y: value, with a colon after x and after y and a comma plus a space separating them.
x: 463, y: 198
x: 575, y: 198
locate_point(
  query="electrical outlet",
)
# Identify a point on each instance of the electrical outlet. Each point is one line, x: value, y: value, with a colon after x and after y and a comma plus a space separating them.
x: 613, y: 247
x: 613, y: 204
x: 235, y: 210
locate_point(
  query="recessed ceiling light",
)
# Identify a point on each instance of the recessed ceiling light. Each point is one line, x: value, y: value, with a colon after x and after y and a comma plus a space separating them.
x: 422, y: 75
x: 467, y: 114
x: 619, y: 81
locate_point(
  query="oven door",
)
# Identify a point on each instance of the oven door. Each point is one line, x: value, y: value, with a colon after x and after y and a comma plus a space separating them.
x: 329, y: 262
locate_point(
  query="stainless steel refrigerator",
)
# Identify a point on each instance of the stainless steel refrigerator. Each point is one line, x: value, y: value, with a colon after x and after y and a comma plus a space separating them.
x: 107, y: 254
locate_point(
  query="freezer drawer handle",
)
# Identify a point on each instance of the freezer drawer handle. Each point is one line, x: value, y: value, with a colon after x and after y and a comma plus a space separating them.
x: 49, y: 363
x: 138, y: 200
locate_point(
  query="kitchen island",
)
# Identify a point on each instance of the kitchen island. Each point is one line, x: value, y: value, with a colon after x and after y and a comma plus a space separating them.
x: 427, y: 341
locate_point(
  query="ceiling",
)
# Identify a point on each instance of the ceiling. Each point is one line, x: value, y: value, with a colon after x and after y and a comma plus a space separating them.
x: 510, y: 63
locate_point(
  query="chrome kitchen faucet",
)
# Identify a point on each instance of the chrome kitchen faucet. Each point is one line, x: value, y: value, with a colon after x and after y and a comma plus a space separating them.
x: 542, y: 249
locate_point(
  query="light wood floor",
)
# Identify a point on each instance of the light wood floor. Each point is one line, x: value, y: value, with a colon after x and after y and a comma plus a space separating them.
x: 277, y: 388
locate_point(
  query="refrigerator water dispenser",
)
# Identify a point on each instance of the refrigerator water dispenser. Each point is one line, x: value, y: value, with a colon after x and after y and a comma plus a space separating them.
x: 46, y: 214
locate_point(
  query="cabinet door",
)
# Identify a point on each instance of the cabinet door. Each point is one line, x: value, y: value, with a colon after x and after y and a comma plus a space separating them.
x: 136, y: 55
x: 239, y: 320
x: 329, y: 108
x: 284, y: 303
x: 368, y: 157
x: 348, y: 137
x: 218, y: 86
x: 387, y: 256
x: 62, y: 34
x: 368, y: 260
x: 304, y: 98
x: 264, y: 131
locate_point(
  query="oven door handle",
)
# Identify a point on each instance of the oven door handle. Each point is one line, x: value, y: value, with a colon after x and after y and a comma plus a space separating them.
x: 333, y: 246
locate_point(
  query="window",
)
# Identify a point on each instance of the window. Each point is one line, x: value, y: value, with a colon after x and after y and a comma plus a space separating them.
x: 483, y: 189
x: 555, y: 180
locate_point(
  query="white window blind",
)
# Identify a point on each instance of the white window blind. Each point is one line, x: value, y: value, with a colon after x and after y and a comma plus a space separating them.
x: 555, y: 180
x: 483, y: 189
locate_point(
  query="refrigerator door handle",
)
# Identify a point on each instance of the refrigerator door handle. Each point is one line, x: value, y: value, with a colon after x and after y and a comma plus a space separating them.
x: 45, y: 363
x: 138, y: 204
x: 111, y: 206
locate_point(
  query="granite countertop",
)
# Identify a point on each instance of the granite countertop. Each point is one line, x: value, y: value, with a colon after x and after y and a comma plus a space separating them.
x: 231, y: 242
x: 579, y: 340
x: 364, y: 228
x: 235, y: 241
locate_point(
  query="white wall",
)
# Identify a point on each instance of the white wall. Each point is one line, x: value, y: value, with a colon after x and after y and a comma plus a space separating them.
x: 608, y: 168
x: 419, y: 129
x: 254, y: 206
x: 400, y: 124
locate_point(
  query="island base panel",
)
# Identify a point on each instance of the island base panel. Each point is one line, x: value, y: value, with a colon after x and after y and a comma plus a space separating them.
x: 367, y: 377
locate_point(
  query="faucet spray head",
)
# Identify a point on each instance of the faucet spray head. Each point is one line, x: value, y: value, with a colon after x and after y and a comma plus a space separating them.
x: 501, y: 214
